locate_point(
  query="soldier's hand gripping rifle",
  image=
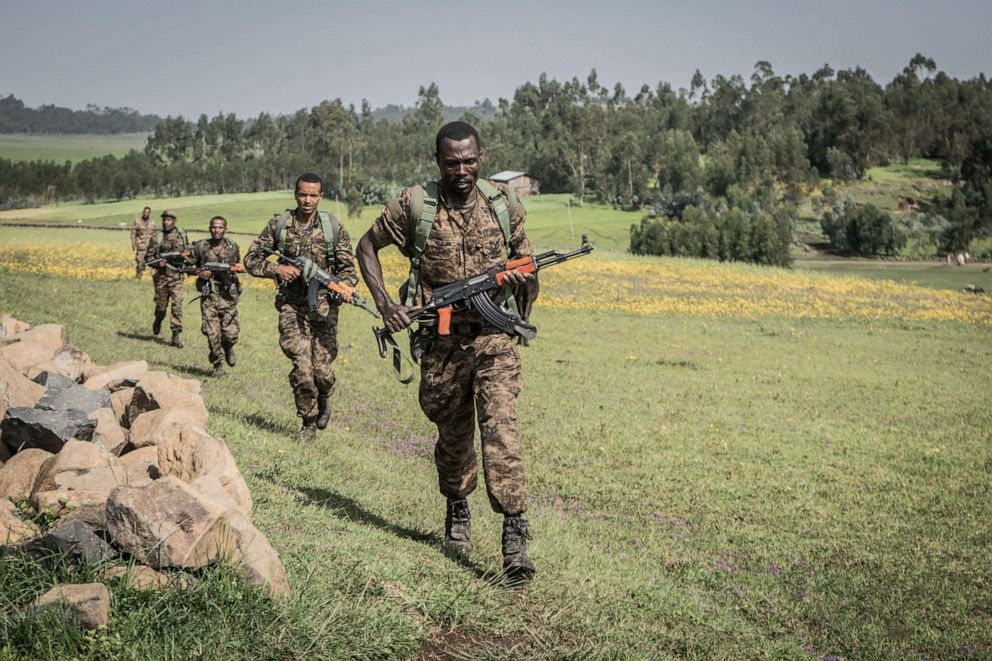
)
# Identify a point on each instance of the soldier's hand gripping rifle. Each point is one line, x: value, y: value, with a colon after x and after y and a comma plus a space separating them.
x: 174, y: 259
x: 317, y: 279
x: 228, y: 283
x: 474, y: 293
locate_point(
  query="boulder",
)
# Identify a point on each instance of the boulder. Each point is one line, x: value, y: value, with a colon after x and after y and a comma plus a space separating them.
x: 140, y: 577
x: 89, y: 603
x: 117, y: 376
x: 159, y: 426
x: 90, y: 507
x: 73, y: 541
x: 16, y: 390
x: 194, y: 453
x: 157, y: 390
x: 17, y: 476
x: 168, y: 524
x: 140, y: 464
x: 80, y: 466
x: 119, y: 401
x: 33, y: 346
x: 53, y: 382
x: 48, y: 430
x: 108, y: 434
x: 14, y: 529
x: 68, y: 361
x: 253, y: 553
x: 76, y: 398
x: 10, y: 326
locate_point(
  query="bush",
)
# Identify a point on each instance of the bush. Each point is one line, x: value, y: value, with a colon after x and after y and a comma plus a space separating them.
x: 862, y: 230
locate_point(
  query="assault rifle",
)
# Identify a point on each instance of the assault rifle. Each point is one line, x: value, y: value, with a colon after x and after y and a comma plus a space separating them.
x: 224, y: 271
x: 317, y: 278
x: 173, y: 259
x: 214, y: 267
x: 474, y: 293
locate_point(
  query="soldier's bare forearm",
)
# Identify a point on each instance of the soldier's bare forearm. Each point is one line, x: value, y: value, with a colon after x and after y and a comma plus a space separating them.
x: 367, y: 254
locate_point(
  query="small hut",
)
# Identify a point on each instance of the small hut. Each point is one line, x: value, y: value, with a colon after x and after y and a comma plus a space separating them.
x: 520, y: 183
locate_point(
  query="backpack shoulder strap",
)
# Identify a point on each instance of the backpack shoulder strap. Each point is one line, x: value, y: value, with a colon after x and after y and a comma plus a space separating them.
x: 503, y: 206
x: 200, y: 250
x: 183, y: 236
x: 423, y: 207
x: 158, y: 242
x: 330, y: 225
x: 280, y: 233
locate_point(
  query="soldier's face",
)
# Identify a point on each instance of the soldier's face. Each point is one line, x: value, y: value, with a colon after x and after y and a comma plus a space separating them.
x: 217, y: 229
x: 308, y: 194
x: 146, y: 212
x: 459, y: 162
x: 168, y: 222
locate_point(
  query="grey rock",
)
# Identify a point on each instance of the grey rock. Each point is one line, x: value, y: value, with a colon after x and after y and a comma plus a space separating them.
x: 48, y: 430
x: 74, y: 540
x: 54, y: 382
x: 75, y: 398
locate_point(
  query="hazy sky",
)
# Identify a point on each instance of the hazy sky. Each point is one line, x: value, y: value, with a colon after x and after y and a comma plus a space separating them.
x: 186, y: 57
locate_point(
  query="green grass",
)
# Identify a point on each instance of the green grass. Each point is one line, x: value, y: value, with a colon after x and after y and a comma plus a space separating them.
x: 547, y: 216
x: 936, y: 274
x: 913, y: 171
x: 701, y: 488
x: 62, y: 148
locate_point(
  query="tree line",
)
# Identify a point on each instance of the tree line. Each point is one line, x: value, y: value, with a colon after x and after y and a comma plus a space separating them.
x: 15, y: 117
x: 721, y: 155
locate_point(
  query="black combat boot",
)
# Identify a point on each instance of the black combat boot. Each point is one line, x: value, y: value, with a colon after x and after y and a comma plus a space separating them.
x: 516, y: 565
x: 229, y: 357
x: 458, y: 528
x: 323, y: 411
x: 309, y: 431
x: 157, y: 324
x: 177, y: 339
x: 218, y: 371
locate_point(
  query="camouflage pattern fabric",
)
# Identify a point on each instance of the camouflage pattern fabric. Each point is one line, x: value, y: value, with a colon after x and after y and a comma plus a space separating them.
x: 309, y: 339
x: 473, y: 375
x: 141, y: 233
x: 218, y: 310
x: 169, y: 284
x: 462, y: 377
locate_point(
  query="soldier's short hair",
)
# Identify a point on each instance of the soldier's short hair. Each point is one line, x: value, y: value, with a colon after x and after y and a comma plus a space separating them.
x: 456, y: 131
x: 310, y: 178
x: 222, y: 218
x: 148, y: 209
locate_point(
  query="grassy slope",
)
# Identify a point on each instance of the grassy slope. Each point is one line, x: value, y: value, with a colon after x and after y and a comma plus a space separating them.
x: 62, y: 148
x: 708, y: 487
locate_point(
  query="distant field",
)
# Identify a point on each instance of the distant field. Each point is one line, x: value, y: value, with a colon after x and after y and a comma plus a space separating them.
x: 62, y: 148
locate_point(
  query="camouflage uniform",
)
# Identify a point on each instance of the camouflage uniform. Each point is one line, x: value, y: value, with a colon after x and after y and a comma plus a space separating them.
x: 218, y: 303
x: 476, y: 370
x: 141, y: 233
x: 307, y: 338
x: 168, y: 281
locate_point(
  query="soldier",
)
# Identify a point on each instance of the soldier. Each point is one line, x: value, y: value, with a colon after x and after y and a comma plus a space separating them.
x: 469, y: 226
x: 141, y: 233
x: 307, y: 337
x: 219, y: 294
x: 166, y: 277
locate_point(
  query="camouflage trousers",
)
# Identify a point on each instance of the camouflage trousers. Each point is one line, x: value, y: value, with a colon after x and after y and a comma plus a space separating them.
x: 464, y: 377
x: 220, y: 325
x: 310, y: 340
x: 169, y: 289
x: 139, y: 260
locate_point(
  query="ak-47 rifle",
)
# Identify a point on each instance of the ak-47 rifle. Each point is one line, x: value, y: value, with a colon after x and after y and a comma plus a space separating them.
x: 206, y: 287
x: 474, y: 293
x: 317, y: 278
x: 174, y: 259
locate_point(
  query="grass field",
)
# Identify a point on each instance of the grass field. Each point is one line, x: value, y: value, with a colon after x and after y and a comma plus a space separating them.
x: 69, y: 147
x: 724, y: 461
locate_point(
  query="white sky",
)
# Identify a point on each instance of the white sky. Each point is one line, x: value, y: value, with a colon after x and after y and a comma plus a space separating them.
x: 185, y: 57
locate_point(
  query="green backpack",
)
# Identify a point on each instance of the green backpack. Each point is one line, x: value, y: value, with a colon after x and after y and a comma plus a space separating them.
x: 423, y: 208
x: 328, y: 223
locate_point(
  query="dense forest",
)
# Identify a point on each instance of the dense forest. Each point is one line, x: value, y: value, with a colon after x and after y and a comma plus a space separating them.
x: 720, y: 165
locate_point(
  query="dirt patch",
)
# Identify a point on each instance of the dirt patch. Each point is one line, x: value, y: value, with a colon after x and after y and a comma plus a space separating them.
x: 469, y: 644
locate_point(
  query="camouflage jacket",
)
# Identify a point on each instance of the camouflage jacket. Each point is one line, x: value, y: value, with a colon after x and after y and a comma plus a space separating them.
x: 462, y: 243
x: 142, y: 232
x: 224, y: 251
x: 302, y: 241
